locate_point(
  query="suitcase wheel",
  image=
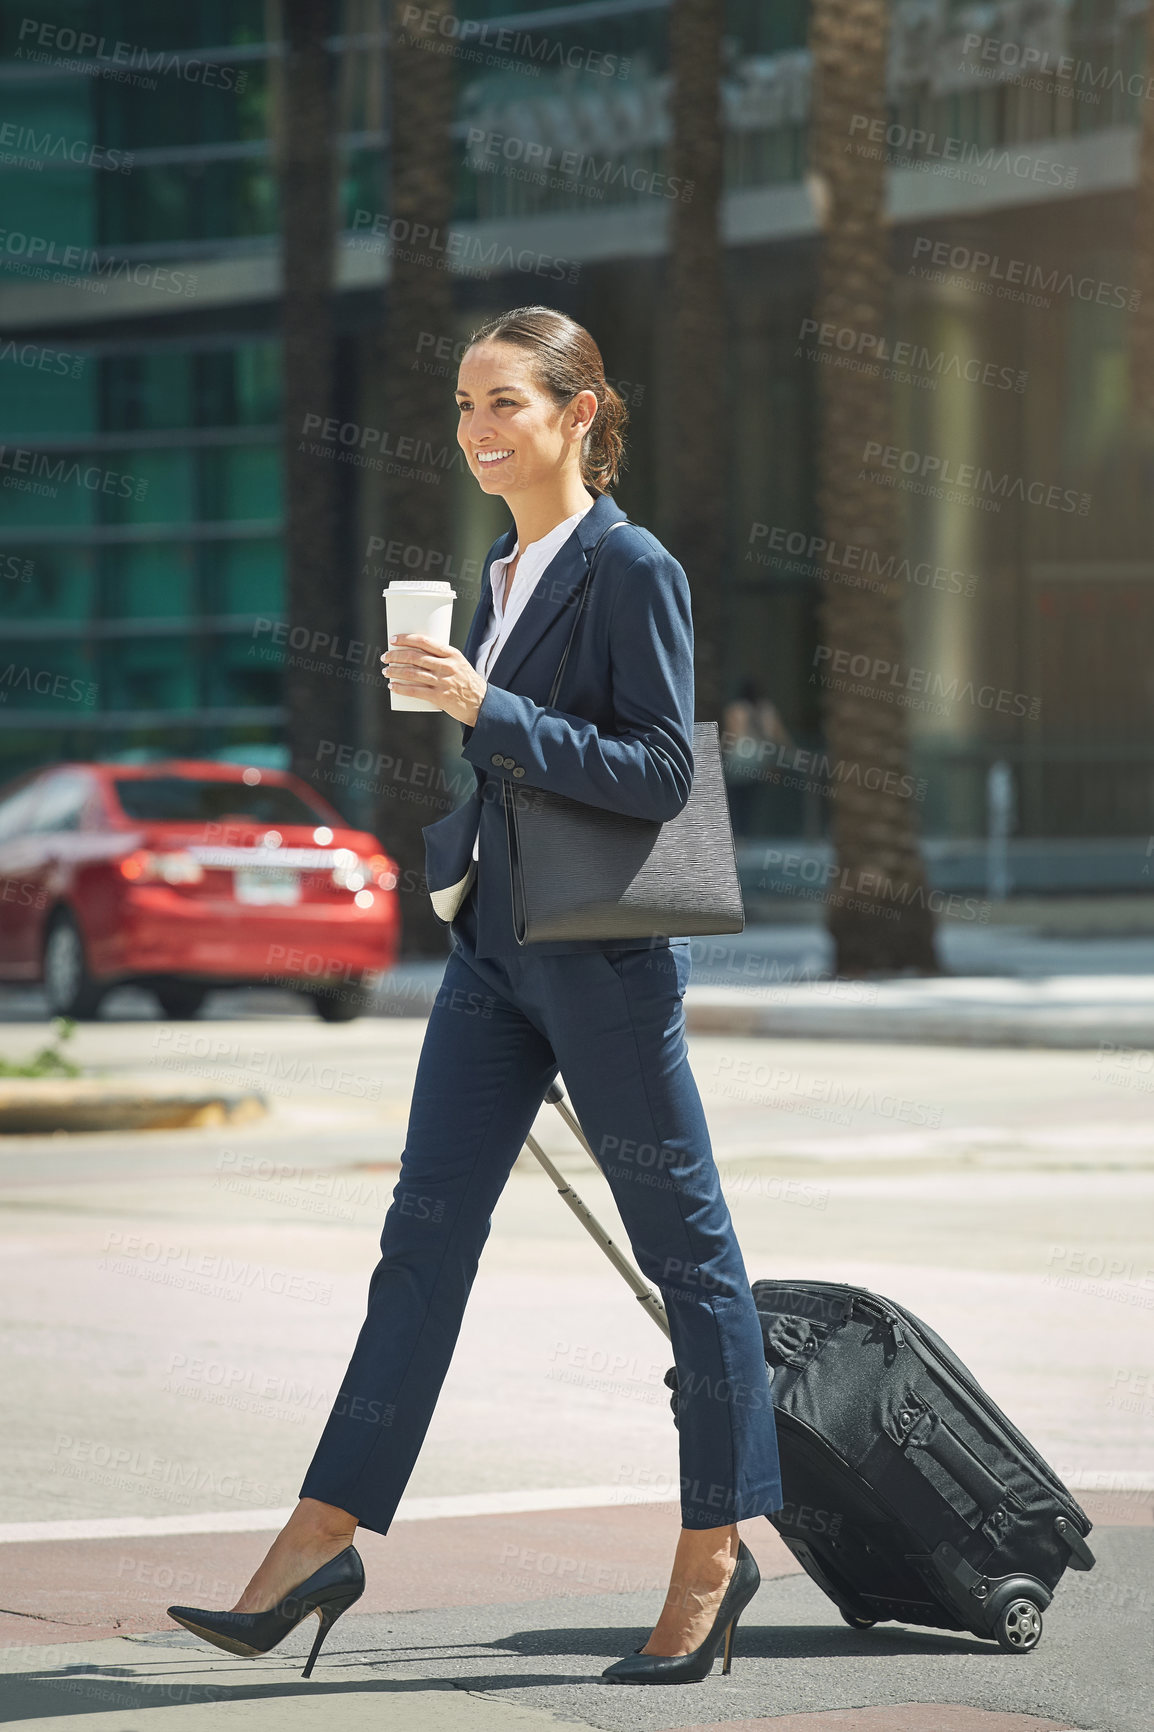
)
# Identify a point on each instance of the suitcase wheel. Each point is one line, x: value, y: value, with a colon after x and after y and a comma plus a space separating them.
x: 1019, y: 1626
x: 856, y: 1623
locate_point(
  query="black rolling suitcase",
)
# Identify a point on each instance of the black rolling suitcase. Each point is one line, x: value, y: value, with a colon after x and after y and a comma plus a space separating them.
x: 909, y: 1494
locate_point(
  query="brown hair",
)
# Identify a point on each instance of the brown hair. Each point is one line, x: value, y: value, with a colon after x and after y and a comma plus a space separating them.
x: 567, y: 361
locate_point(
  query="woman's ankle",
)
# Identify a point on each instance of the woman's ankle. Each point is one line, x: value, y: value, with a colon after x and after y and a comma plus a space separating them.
x: 318, y: 1523
x: 710, y: 1542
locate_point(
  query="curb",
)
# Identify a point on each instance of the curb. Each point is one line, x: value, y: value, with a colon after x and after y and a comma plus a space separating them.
x: 35, y: 1105
x: 1060, y: 1011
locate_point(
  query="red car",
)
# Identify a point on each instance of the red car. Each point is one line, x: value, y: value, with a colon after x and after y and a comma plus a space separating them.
x: 184, y: 876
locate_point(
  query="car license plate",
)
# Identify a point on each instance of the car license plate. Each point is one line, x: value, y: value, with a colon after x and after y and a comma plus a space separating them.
x: 266, y: 884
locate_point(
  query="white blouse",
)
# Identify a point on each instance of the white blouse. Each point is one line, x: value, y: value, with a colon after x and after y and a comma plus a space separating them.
x: 506, y: 613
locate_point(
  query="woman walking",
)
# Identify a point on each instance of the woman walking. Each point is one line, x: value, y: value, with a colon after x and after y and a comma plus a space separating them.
x: 541, y: 428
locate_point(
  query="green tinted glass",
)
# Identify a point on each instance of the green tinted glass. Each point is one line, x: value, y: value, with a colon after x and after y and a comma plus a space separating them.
x: 153, y: 390
x: 241, y: 482
x: 240, y: 671
x: 244, y: 577
x: 48, y: 675
x: 149, y: 487
x: 47, y: 583
x: 39, y: 488
x: 149, y: 674
x: 45, y: 387
x: 153, y: 581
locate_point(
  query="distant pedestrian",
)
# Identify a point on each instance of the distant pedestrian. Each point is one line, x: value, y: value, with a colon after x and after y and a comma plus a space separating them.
x: 753, y: 736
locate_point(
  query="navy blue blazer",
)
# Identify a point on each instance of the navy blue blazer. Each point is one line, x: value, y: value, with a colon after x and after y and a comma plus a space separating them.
x: 620, y: 736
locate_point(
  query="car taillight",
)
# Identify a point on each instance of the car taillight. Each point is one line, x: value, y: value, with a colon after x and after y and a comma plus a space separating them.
x: 349, y: 873
x: 353, y: 873
x: 381, y: 868
x: 144, y: 867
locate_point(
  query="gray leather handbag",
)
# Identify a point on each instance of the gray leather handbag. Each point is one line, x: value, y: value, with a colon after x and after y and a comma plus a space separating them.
x: 580, y: 871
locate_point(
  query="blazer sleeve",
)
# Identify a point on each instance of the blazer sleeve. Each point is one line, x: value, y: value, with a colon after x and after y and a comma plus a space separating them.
x: 644, y: 768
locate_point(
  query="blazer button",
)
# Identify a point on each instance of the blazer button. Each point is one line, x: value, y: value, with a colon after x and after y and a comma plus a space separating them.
x: 519, y: 769
x: 498, y: 760
x: 507, y: 763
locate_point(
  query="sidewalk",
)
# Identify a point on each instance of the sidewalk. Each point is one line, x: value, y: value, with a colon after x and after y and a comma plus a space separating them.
x: 503, y: 1623
x: 1008, y: 985
x: 1058, y: 1011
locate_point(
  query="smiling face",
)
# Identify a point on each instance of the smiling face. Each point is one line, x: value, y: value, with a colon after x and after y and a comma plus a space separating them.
x: 514, y: 437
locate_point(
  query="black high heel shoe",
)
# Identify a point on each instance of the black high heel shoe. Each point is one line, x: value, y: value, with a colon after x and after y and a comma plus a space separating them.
x: 328, y: 1592
x: 639, y: 1668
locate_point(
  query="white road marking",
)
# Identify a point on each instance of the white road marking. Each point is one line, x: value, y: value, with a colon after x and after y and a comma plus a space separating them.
x: 414, y: 1509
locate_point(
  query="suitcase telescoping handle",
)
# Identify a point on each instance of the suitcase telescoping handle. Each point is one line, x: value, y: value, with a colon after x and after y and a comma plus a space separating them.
x: 645, y: 1294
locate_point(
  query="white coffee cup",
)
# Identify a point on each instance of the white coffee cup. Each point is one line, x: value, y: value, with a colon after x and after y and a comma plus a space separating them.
x: 418, y: 605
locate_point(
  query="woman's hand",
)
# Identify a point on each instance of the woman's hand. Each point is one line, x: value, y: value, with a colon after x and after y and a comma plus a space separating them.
x: 422, y: 668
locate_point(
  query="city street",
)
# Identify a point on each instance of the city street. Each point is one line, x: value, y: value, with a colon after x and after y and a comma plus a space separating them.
x: 508, y: 477
x: 179, y: 1306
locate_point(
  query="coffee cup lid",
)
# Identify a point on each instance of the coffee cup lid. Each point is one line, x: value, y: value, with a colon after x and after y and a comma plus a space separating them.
x: 420, y: 586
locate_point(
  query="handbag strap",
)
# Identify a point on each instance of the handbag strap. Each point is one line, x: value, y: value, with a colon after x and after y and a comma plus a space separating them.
x: 556, y: 686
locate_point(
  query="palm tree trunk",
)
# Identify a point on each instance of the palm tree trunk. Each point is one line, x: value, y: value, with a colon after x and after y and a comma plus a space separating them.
x: 877, y: 910
x: 695, y: 460
x: 418, y: 405
x: 318, y: 601
x: 1142, y: 318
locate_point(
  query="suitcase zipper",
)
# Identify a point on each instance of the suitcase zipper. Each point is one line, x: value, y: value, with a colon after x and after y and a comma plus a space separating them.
x: 968, y: 1387
x: 892, y: 1314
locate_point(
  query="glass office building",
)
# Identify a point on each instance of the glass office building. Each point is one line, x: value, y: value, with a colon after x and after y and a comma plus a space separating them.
x: 140, y: 507
x: 140, y: 486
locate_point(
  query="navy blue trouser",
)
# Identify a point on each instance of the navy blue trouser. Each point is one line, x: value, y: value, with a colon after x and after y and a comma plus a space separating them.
x: 613, y: 1023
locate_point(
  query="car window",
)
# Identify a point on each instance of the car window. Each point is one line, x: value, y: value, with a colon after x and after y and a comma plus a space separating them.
x: 193, y: 800
x: 16, y: 812
x: 61, y: 804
